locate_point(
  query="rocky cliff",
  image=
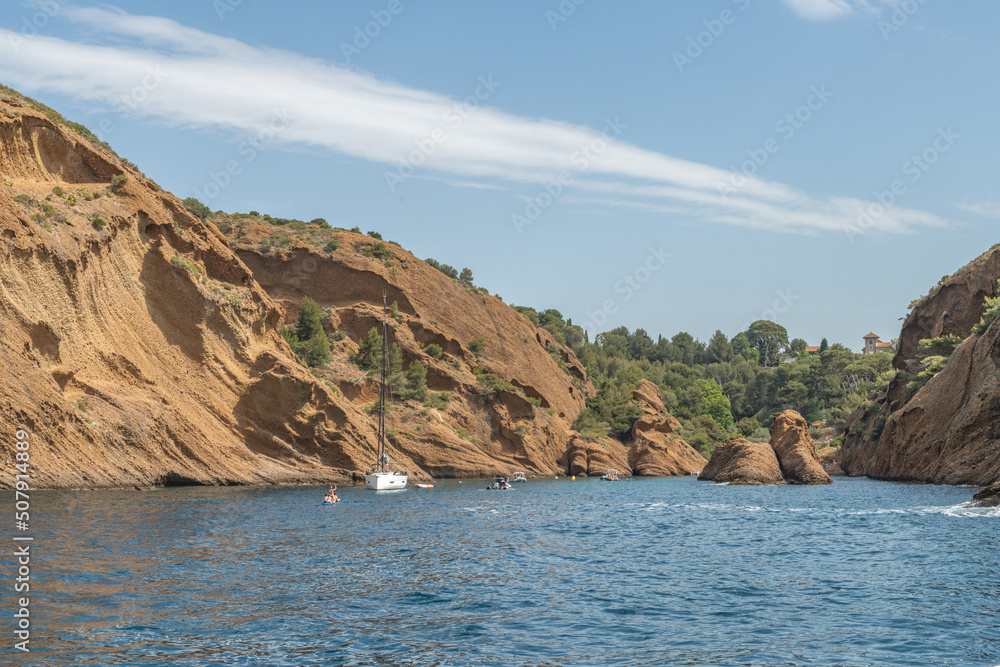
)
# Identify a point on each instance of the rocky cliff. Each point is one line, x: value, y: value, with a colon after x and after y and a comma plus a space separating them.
x: 507, y: 406
x: 948, y: 431
x: 740, y: 461
x: 655, y: 449
x: 796, y: 450
x: 790, y: 457
x: 137, y: 349
x: 142, y: 346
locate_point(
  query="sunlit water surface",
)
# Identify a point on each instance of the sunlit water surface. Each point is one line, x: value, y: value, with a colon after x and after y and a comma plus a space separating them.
x: 554, y: 572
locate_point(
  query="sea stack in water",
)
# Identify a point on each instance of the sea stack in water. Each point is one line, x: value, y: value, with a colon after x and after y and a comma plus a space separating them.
x: 655, y: 448
x: 796, y: 451
x: 740, y: 461
x: 789, y: 458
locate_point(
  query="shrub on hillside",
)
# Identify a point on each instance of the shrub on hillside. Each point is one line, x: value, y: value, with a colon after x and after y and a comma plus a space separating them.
x: 747, y: 426
x: 446, y: 269
x: 489, y: 383
x: 439, y: 400
x: 477, y: 346
x: 991, y: 314
x: 377, y: 249
x: 937, y: 347
x: 194, y: 206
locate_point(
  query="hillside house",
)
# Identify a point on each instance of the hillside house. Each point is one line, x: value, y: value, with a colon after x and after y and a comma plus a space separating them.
x: 873, y: 345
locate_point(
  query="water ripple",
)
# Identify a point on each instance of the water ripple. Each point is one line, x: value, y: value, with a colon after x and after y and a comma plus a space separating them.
x: 648, y: 572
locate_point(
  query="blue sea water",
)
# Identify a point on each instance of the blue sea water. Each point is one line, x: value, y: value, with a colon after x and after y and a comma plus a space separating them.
x: 553, y: 572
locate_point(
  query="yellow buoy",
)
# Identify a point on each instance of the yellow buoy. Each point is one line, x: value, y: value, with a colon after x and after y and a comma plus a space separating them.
x: 573, y: 478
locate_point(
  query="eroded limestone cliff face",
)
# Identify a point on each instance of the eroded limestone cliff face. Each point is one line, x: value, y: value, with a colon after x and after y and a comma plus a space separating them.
x: 742, y: 462
x: 655, y: 449
x: 141, y: 346
x: 796, y: 450
x: 949, y: 431
x: 522, y: 421
x: 790, y: 457
x: 137, y: 349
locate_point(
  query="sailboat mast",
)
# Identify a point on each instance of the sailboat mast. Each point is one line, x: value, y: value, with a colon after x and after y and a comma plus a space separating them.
x: 382, y: 406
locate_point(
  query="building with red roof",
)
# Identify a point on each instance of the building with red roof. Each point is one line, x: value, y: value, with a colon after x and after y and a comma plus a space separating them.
x: 873, y: 345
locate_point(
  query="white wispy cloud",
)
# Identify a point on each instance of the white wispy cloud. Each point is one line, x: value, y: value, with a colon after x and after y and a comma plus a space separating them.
x: 987, y: 209
x: 190, y: 78
x: 830, y: 10
x: 820, y: 10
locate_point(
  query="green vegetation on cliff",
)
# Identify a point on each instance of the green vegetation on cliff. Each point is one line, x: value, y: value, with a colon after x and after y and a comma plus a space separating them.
x: 717, y: 389
x: 307, y: 338
x: 720, y: 388
x: 991, y: 314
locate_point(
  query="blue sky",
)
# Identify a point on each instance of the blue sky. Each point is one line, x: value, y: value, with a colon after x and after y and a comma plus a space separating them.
x: 670, y: 166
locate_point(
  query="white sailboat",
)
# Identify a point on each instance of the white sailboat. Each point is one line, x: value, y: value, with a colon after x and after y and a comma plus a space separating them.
x: 379, y: 478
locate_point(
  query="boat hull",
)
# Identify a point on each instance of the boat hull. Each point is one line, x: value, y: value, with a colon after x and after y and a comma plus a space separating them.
x: 385, y: 481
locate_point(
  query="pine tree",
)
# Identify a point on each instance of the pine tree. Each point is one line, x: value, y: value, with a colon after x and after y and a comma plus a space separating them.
x: 416, y: 382
x: 316, y: 350
x: 370, y: 350
x: 310, y: 321
x: 308, y: 339
x: 477, y: 345
x: 395, y: 370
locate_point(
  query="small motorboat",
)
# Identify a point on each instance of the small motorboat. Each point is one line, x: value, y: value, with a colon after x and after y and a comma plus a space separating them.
x: 610, y: 476
x: 518, y: 477
x: 500, y: 483
x: 424, y: 486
